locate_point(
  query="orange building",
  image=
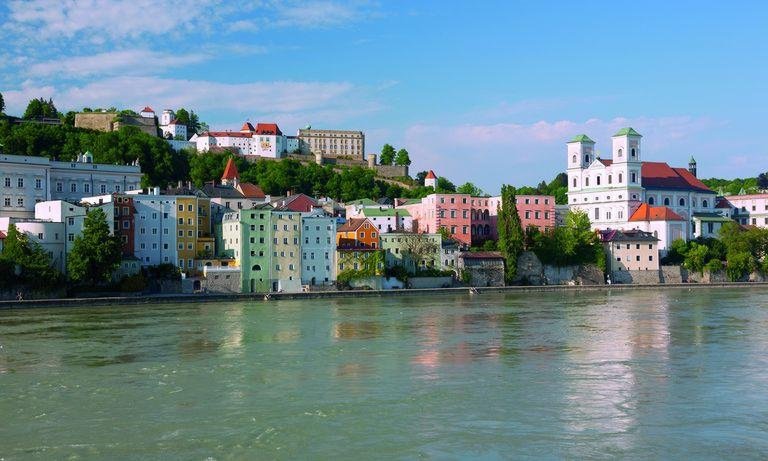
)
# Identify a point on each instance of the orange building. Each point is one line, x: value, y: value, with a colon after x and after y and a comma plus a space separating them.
x: 357, y: 233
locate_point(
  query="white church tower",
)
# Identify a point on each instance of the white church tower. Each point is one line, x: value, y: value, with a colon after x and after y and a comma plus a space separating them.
x: 627, y: 165
x: 581, y: 153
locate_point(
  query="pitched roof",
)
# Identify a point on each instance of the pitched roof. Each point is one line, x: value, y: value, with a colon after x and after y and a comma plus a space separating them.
x: 377, y: 212
x: 430, y: 175
x: 481, y: 255
x: 268, y: 128
x: 628, y: 131
x: 247, y: 127
x: 250, y: 190
x: 230, y: 171
x: 723, y: 203
x: 2, y: 235
x: 227, y: 134
x: 581, y: 138
x: 363, y: 201
x: 146, y: 109
x: 633, y: 235
x: 606, y: 162
x: 352, y: 224
x: 214, y: 191
x: 654, y: 213
x: 659, y: 175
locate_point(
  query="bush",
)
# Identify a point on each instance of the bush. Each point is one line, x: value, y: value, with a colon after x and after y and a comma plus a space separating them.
x: 739, y: 264
x: 133, y: 283
x: 713, y: 265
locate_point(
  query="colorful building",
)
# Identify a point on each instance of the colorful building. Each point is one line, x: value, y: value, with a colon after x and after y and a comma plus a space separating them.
x: 412, y: 251
x: 318, y: 248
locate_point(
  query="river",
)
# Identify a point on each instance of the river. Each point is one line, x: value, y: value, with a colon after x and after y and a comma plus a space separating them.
x: 671, y: 374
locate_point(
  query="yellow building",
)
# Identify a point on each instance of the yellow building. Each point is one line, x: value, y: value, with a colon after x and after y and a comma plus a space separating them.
x: 194, y: 239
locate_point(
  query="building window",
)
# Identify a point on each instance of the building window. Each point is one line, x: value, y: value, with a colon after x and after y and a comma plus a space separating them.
x: 20, y: 183
x: 73, y: 187
x: 704, y: 203
x: 7, y: 201
x: 651, y: 201
x: 103, y: 188
x: 7, y: 182
x: 38, y: 183
x: 620, y: 153
x: 20, y: 203
x: 682, y: 202
x: 666, y: 201
x: 621, y: 178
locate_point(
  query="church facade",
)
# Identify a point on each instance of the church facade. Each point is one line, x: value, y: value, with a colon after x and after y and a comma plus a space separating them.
x: 612, y: 190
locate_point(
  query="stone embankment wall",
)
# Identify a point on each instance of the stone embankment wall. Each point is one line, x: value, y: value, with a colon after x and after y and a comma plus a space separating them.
x: 430, y: 282
x: 530, y: 271
x: 719, y: 277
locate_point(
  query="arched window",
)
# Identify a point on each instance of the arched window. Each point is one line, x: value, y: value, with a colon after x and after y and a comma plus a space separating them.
x: 586, y: 181
x: 620, y: 178
x: 621, y: 152
x: 487, y: 229
x: 634, y: 177
x: 610, y: 179
x: 682, y: 202
x: 704, y: 203
x: 486, y: 215
x: 651, y: 201
x: 666, y: 201
x: 598, y: 180
x: 573, y: 159
x: 632, y: 152
x: 586, y: 159
x: 256, y: 267
x: 574, y: 182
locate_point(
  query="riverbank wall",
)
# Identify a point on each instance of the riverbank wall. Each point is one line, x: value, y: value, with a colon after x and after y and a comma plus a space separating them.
x: 220, y: 298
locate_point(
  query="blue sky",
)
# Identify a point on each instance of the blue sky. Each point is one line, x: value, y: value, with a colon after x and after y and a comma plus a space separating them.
x: 487, y: 92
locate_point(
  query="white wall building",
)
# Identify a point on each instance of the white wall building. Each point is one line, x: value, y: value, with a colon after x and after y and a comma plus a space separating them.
x: 318, y: 248
x: 72, y: 216
x: 50, y: 236
x: 611, y: 190
x: 264, y: 140
x: 748, y: 209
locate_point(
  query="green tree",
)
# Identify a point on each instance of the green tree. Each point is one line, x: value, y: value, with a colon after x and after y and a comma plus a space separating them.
x: 2, y: 103
x: 40, y: 108
x: 444, y: 186
x: 510, y: 232
x: 402, y: 158
x: 387, y: 155
x: 95, y: 253
x: 26, y: 262
x: 471, y: 189
x: 696, y: 257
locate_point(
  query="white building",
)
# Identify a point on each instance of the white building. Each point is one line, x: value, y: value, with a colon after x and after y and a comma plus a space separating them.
x: 747, y: 209
x: 318, y: 248
x: 611, y: 190
x: 264, y: 140
x: 170, y: 128
x: 72, y: 216
x: 29, y: 180
x: 50, y: 236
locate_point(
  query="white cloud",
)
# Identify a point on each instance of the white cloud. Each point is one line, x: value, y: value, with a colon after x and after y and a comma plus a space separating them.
x: 319, y: 13
x: 98, y: 18
x: 135, y: 92
x: 111, y: 62
x: 492, y: 154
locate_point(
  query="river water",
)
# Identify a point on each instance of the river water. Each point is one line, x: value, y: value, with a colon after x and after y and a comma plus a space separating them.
x: 667, y: 374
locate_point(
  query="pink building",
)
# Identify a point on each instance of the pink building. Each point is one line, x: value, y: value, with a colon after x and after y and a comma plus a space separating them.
x: 472, y: 220
x: 537, y: 211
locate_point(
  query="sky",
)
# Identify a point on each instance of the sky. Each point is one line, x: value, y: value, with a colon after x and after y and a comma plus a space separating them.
x: 485, y: 92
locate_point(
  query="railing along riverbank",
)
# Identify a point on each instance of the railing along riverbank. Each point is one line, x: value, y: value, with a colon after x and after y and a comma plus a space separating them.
x: 262, y: 297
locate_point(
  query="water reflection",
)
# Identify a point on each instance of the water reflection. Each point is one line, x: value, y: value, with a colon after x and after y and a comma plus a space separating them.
x: 609, y: 377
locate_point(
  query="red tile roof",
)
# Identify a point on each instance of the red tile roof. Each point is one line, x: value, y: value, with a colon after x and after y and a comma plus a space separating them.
x: 723, y: 203
x: 247, y: 127
x: 430, y: 175
x: 268, y: 128
x: 659, y: 175
x: 146, y: 109
x: 2, y: 235
x: 605, y: 162
x: 654, y: 213
x: 230, y: 134
x: 230, y: 171
x: 250, y: 190
x: 352, y: 224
